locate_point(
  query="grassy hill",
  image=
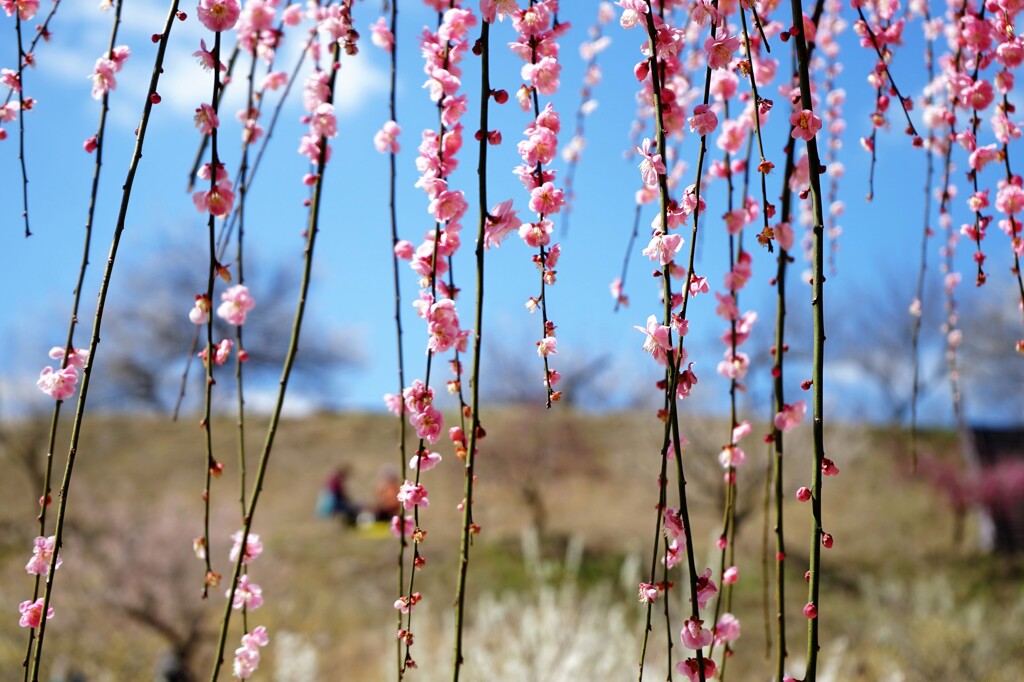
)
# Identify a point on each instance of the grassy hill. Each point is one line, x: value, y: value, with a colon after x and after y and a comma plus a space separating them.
x: 900, y: 600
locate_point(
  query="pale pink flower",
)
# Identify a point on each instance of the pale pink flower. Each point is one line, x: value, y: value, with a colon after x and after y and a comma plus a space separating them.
x: 448, y: 205
x: 218, y: 15
x: 58, y: 384
x: 402, y: 525
x: 381, y: 35
x: 663, y: 247
x: 732, y: 456
x: 274, y: 80
x: 547, y: 346
x: 674, y: 523
x: 694, y: 635
x: 543, y: 75
x: 253, y: 547
x: 222, y: 351
x: 501, y: 221
x: 200, y: 312
x: 651, y: 165
x: 727, y: 629
x: 9, y: 112
x: 648, y: 593
x: 706, y: 589
x: 103, y: 80
x: 248, y: 595
x: 412, y: 495
x: 690, y: 669
x: 235, y: 305
x: 32, y: 613
x: 26, y: 8
x: 742, y: 430
x: 247, y: 656
x: 546, y: 199
x: 323, y: 122
x: 730, y: 576
x: 386, y: 139
x: 657, y: 341
x: 120, y: 55
x: 704, y: 121
x: 206, y: 119
x: 805, y: 124
x: 42, y: 555
x: 720, y: 50
x: 11, y: 79
x: 790, y: 416
x: 428, y: 424
x: 217, y: 201
x: 78, y: 358
x: 428, y: 461
x: 632, y: 10
x: 783, y: 234
x: 205, y: 57
x: 673, y: 554
x: 536, y: 234
x: 292, y: 14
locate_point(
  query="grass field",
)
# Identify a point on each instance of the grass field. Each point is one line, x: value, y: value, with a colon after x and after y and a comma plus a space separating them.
x: 901, y: 602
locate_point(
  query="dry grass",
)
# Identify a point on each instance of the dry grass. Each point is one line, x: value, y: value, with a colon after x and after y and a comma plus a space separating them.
x: 898, y: 599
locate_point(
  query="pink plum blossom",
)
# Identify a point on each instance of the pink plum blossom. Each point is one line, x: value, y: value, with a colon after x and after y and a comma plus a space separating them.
x: 248, y: 595
x: 412, y: 495
x: 501, y: 221
x: 706, y: 589
x: 385, y: 140
x: 235, y: 305
x: 59, y: 384
x: 402, y: 525
x: 218, y: 15
x: 253, y: 547
x: 32, y: 613
x: 657, y: 341
x: 426, y: 462
x: 78, y: 358
x: 790, y: 416
x: 648, y: 593
x: 720, y: 50
x: 103, y: 80
x: 206, y: 119
x: 381, y: 35
x: 26, y: 8
x: 663, y: 247
x: 247, y: 656
x: 632, y: 10
x: 704, y: 121
x: 42, y: 555
x: 690, y: 668
x: 694, y: 635
x: 651, y: 165
x: 727, y: 629
x: 805, y: 124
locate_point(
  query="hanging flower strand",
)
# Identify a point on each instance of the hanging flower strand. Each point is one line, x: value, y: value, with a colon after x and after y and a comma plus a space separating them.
x: 443, y: 50
x: 335, y: 24
x: 537, y: 45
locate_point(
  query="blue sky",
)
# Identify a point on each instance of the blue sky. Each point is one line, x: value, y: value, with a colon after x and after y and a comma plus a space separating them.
x: 352, y: 292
